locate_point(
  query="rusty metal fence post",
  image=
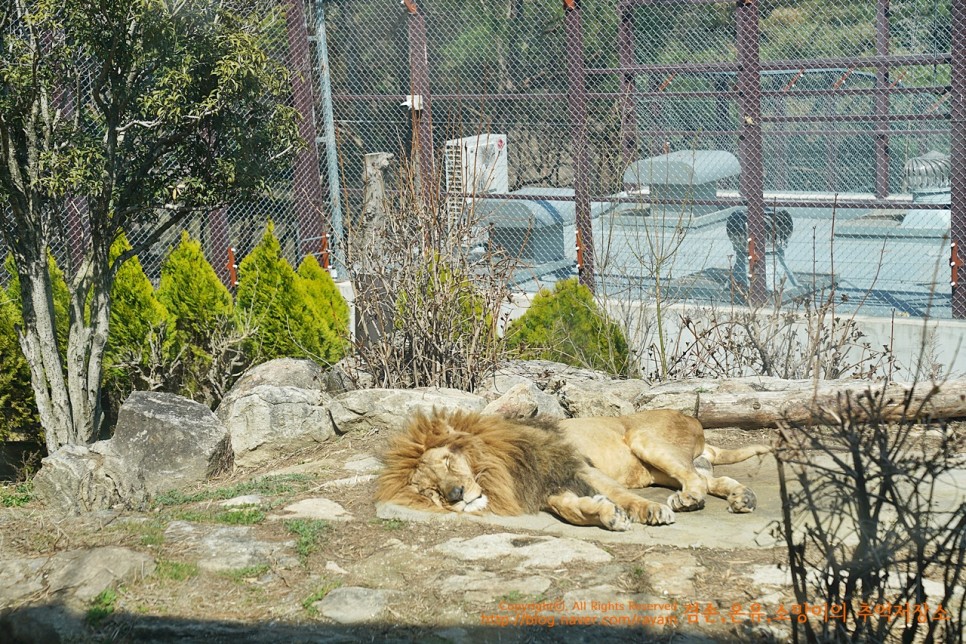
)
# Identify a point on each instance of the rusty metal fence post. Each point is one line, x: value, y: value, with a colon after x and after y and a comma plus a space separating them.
x: 577, y: 110
x: 627, y: 57
x: 421, y: 100
x: 882, y: 100
x: 306, y: 180
x: 752, y: 179
x: 957, y: 231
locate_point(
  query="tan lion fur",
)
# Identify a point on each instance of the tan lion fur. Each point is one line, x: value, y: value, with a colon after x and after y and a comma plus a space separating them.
x: 580, y: 469
x: 517, y: 463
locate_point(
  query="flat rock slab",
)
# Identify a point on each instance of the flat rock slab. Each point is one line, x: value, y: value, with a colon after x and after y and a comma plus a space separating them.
x: 363, y: 465
x: 354, y: 604
x: 72, y: 578
x: 672, y: 573
x: 350, y: 481
x: 485, y: 587
x: 228, y: 548
x: 713, y: 527
x: 534, y: 552
x: 317, y: 508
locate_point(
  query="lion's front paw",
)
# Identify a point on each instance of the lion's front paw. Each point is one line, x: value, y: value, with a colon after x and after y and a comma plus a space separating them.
x: 651, y: 513
x: 612, y: 516
x: 684, y: 502
x: 477, y: 505
x: 742, y: 501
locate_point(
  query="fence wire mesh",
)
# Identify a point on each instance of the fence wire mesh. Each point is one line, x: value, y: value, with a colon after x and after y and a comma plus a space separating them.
x: 718, y: 151
x: 817, y: 131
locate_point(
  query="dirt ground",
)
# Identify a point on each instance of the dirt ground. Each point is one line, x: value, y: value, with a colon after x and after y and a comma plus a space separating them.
x: 697, y: 580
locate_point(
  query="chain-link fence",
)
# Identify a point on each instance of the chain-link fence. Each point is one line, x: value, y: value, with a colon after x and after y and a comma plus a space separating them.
x: 721, y: 151
x: 717, y: 151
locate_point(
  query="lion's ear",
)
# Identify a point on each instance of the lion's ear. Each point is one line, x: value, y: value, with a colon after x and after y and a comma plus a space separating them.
x: 444, y: 427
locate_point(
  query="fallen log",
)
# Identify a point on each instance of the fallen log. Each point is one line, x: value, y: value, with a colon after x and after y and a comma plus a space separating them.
x: 822, y: 403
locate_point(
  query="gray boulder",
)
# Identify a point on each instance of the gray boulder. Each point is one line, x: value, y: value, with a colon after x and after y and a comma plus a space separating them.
x: 685, y: 395
x: 376, y: 409
x: 281, y: 372
x: 267, y: 421
x: 66, y: 583
x: 172, y: 441
x: 541, y: 372
x: 525, y: 400
x: 81, y: 478
x: 161, y: 442
x: 584, y: 398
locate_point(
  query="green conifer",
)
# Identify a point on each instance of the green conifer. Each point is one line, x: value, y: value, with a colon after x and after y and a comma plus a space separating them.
x: 325, y: 323
x: 199, y: 308
x: 190, y: 290
x: 18, y: 410
x: 567, y: 326
x: 269, y: 300
x: 136, y: 313
x: 136, y: 322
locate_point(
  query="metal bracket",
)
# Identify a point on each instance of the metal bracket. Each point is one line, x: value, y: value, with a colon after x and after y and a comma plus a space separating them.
x: 753, y: 258
x: 580, y: 253
x: 324, y: 251
x: 232, y: 267
x: 954, y: 264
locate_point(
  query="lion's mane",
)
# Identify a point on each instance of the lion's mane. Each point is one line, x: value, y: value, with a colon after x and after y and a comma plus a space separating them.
x: 518, y: 464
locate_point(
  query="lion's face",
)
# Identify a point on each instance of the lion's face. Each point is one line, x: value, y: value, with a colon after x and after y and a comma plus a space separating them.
x: 444, y: 476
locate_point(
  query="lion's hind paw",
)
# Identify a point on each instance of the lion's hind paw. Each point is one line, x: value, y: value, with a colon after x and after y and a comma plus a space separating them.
x: 684, y: 502
x: 742, y: 501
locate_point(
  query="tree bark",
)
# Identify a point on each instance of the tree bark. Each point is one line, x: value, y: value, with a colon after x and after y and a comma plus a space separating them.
x: 825, y: 402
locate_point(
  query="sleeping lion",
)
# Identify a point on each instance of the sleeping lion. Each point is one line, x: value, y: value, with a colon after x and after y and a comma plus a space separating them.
x: 579, y: 469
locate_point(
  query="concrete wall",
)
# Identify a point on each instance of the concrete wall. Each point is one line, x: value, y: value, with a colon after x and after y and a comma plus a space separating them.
x: 921, y: 348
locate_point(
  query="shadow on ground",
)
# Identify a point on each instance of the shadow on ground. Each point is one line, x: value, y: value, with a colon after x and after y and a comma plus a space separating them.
x: 55, y: 624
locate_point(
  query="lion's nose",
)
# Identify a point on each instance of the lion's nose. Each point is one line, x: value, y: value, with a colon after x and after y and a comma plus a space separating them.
x: 455, y: 494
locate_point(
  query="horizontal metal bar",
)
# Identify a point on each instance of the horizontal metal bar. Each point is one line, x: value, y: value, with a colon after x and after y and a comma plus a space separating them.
x: 727, y: 94
x: 651, y: 132
x: 871, y: 203
x: 853, y: 118
x: 857, y: 91
x: 792, y: 65
x: 629, y: 4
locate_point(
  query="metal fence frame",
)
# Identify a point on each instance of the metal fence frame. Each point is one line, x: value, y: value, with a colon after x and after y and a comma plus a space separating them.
x: 747, y: 92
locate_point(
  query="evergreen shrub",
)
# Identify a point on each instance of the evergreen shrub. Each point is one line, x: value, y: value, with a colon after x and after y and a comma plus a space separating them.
x: 202, y: 326
x: 295, y: 315
x: 566, y: 325
x: 135, y: 333
x: 325, y: 328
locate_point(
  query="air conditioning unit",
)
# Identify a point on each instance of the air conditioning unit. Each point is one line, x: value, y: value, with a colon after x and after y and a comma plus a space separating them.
x: 475, y: 165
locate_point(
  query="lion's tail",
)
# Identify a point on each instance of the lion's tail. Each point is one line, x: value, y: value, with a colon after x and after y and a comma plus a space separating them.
x: 721, y: 456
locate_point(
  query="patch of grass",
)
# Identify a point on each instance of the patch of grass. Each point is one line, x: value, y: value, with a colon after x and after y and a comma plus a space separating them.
x: 517, y: 596
x: 102, y: 607
x: 152, y: 532
x: 175, y: 570
x: 308, y: 533
x: 240, y: 516
x: 248, y: 572
x: 390, y: 524
x: 274, y: 485
x: 17, y: 495
x: 324, y: 589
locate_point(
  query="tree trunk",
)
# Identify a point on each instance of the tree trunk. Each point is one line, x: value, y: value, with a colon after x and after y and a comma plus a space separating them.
x: 822, y: 404
x: 38, y: 340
